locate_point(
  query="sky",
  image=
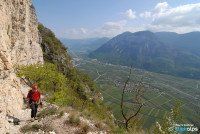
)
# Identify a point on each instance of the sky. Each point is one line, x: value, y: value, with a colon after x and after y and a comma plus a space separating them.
x: 77, y: 19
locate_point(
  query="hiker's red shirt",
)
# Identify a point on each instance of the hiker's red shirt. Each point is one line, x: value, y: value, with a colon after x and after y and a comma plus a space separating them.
x: 36, y: 95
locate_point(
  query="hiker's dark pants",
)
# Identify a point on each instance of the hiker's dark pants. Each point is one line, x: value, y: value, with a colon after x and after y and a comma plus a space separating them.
x: 33, y: 109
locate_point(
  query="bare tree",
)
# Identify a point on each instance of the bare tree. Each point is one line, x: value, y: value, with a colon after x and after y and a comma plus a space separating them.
x: 137, y: 88
x: 27, y: 82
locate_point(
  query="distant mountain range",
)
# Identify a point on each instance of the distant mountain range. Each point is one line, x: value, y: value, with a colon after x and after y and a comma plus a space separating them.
x: 163, y: 52
x: 84, y: 44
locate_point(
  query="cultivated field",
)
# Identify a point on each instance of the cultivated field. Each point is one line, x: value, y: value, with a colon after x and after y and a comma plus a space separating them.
x: 161, y: 90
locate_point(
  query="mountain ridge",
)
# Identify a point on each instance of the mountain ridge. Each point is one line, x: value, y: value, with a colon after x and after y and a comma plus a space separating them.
x: 146, y: 50
x: 188, y: 41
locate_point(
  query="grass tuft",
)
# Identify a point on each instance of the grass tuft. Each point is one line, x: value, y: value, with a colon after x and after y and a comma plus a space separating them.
x: 27, y: 128
x: 35, y: 128
x: 73, y: 120
x: 47, y: 112
x: 61, y: 114
x: 84, y: 129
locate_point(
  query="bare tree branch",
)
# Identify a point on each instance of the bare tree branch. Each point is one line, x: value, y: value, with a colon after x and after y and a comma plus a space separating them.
x: 137, y: 88
x: 122, y: 99
x: 27, y: 83
x: 140, y: 108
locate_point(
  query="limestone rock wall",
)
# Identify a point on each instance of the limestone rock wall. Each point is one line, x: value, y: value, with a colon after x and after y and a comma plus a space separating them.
x: 19, y: 44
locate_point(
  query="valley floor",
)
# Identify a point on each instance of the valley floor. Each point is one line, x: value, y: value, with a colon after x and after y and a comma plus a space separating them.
x: 161, y: 90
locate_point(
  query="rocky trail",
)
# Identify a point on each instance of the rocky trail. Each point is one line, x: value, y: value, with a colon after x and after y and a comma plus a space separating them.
x: 51, y: 120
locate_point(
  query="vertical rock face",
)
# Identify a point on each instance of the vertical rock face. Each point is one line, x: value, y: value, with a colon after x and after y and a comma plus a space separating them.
x: 19, y: 44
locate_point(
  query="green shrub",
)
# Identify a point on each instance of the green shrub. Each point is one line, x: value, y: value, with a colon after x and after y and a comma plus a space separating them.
x: 35, y: 128
x: 52, y: 111
x: 86, y: 114
x: 84, y: 129
x: 47, y: 112
x: 27, y: 128
x: 120, y: 131
x: 61, y: 113
x: 99, y: 125
x: 46, y: 128
x: 73, y: 120
x: 65, y: 90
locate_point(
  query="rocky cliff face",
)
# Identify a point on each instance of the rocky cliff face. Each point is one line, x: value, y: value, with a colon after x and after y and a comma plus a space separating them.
x: 19, y: 44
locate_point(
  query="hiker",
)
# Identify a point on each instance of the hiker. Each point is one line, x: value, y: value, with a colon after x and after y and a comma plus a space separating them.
x: 34, y: 98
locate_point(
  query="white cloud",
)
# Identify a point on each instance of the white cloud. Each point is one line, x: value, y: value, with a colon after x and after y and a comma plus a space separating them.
x: 110, y: 29
x: 160, y: 7
x: 145, y: 15
x: 181, y: 19
x: 114, y: 25
x: 130, y: 14
x: 83, y: 30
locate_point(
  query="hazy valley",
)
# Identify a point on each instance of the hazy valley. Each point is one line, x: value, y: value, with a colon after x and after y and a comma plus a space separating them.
x: 161, y: 89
